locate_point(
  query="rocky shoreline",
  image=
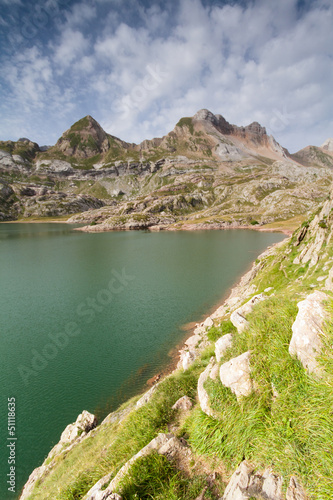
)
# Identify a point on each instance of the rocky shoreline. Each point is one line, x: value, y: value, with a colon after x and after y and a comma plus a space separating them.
x: 191, y: 349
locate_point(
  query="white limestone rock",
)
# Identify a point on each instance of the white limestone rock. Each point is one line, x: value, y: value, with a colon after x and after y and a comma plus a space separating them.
x: 295, y: 490
x: 245, y: 483
x: 235, y: 374
x: 221, y: 345
x: 183, y: 403
x: 165, y: 444
x: 238, y: 317
x: 58, y: 166
x: 306, y: 341
x: 202, y: 393
x: 208, y: 323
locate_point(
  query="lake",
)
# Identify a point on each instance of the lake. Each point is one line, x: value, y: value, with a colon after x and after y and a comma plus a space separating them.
x: 86, y: 319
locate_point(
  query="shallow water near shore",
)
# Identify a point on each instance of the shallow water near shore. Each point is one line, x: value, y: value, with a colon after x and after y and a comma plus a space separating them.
x: 87, y: 319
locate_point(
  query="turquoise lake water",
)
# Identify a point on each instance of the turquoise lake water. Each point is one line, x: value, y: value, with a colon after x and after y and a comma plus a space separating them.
x: 86, y: 319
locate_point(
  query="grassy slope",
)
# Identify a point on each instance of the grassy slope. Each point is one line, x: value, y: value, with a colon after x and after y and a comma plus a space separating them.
x: 285, y: 424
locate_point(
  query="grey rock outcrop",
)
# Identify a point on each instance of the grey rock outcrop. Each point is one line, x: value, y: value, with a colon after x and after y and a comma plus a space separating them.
x: 221, y: 345
x: 306, y: 341
x: 238, y: 317
x: 57, y: 166
x: 235, y: 374
x: 245, y: 483
x: 84, y: 423
x: 328, y: 145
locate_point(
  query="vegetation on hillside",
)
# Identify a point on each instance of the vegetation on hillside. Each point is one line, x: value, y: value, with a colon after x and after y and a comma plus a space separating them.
x: 284, y: 424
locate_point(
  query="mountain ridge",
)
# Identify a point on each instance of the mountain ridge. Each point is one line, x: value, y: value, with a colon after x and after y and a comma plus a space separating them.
x: 206, y: 173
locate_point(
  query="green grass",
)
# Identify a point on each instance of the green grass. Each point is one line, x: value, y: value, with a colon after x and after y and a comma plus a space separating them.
x: 154, y: 477
x: 286, y: 423
x: 186, y: 122
x: 114, y: 444
x: 80, y: 125
x: 215, y: 332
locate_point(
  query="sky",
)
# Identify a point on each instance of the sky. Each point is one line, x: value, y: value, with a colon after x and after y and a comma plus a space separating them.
x: 138, y: 66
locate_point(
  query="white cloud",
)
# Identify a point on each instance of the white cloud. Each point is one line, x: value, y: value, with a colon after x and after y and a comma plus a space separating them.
x: 262, y: 62
x: 73, y: 45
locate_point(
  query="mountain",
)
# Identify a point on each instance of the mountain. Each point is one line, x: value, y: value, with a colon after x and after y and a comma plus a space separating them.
x: 246, y: 414
x: 205, y: 173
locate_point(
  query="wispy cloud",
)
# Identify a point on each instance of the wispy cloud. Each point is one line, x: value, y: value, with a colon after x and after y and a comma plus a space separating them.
x: 139, y: 69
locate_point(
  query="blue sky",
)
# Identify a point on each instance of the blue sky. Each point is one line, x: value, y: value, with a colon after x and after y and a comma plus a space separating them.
x: 137, y: 66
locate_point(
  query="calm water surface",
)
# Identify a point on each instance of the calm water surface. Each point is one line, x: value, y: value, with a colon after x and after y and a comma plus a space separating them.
x: 86, y: 319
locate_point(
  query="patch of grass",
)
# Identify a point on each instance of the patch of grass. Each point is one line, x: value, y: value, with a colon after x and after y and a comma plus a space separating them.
x: 155, y: 477
x: 186, y: 122
x: 114, y: 444
x: 286, y: 422
x: 80, y: 124
x: 216, y: 332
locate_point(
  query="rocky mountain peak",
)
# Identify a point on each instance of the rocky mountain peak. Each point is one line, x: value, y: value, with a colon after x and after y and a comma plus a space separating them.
x: 328, y: 145
x: 218, y: 121
x: 205, y: 115
x: 256, y: 129
x: 86, y: 138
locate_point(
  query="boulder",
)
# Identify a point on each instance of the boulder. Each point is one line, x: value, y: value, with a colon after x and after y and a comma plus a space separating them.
x: 238, y: 317
x: 306, y: 341
x: 84, y: 423
x: 245, y: 483
x: 183, y: 403
x: 221, y: 345
x: 202, y: 393
x: 187, y: 358
x: 235, y: 374
x: 193, y: 341
x: 36, y: 475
